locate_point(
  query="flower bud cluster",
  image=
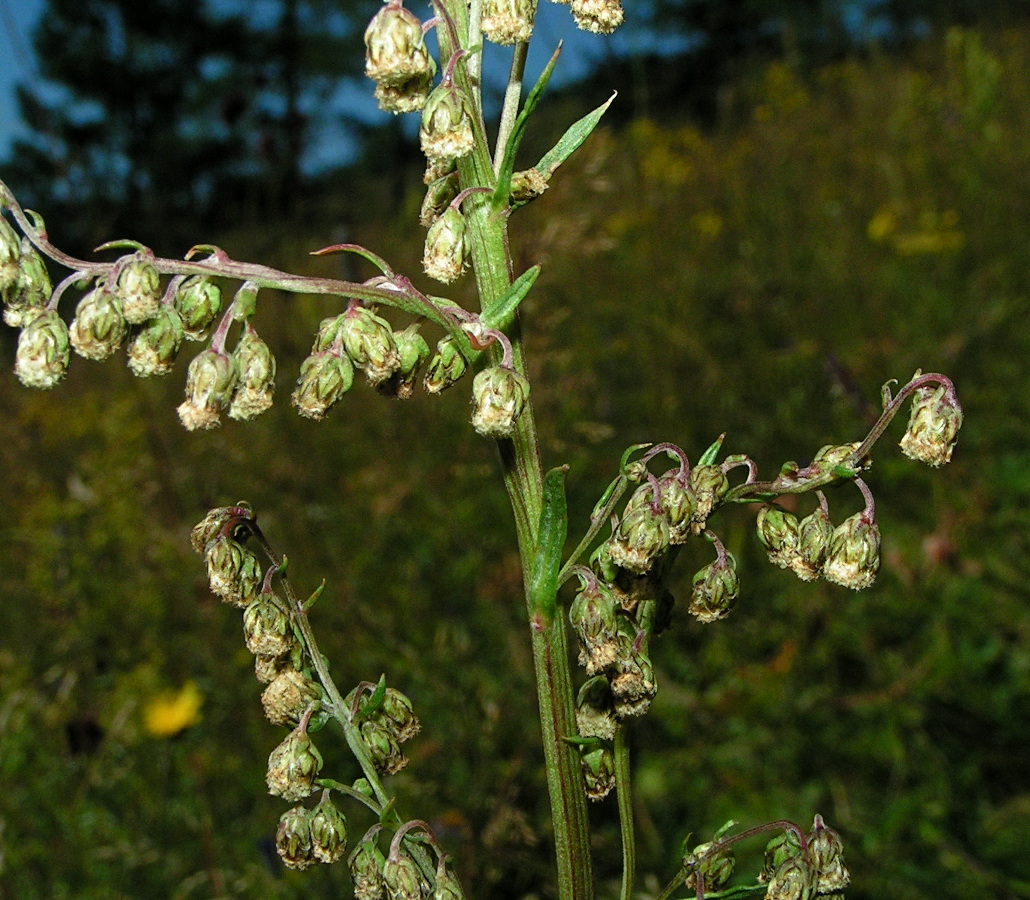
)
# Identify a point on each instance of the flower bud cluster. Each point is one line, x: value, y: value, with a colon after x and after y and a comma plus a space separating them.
x: 385, y: 720
x: 25, y: 286
x: 816, y: 870
x: 309, y: 836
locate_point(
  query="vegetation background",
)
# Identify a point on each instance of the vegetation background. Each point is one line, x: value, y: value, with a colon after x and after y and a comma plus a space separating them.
x: 760, y: 268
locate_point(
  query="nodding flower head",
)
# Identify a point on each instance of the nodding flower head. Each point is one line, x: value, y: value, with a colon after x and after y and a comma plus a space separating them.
x: 933, y: 425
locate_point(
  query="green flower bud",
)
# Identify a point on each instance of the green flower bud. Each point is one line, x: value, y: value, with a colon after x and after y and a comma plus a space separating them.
x: 266, y: 626
x: 781, y: 848
x: 444, y: 256
x: 288, y: 697
x: 210, y: 381
x: 233, y: 571
x: 633, y: 685
x: 592, y: 615
x: 398, y: 715
x: 402, y: 878
x: 595, y: 709
x: 293, y: 839
x: 499, y: 395
x: 446, y: 887
x: 366, y: 869
x: 408, y: 96
x: 41, y: 359
x: 642, y: 535
x: 438, y: 197
x: 368, y: 341
x: 139, y: 288
x: 382, y: 747
x: 154, y: 347
x: 778, y: 532
x: 256, y: 365
x: 814, y: 533
x: 445, y: 368
x: 527, y: 185
x: 395, y: 50
x: 211, y: 526
x: 679, y: 503
x: 197, y: 301
x: 412, y: 351
x: 99, y: 327
x: 833, y: 455
x: 293, y: 766
x: 31, y: 289
x: 710, y: 485
x: 597, y: 16
x: 853, y: 558
x: 598, y: 766
x: 328, y: 831
x: 715, y: 868
x: 508, y: 21
x: 446, y: 130
x: 932, y: 426
x: 328, y: 333
x: 715, y: 590
x: 794, y: 879
x: 826, y: 850
x: 324, y: 378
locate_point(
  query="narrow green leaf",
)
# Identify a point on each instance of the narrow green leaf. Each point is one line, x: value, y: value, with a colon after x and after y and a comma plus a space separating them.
x: 554, y: 524
x: 708, y: 457
x: 500, y: 314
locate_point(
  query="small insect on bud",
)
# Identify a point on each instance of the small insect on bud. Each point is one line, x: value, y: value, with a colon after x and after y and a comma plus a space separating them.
x: 597, y: 16
x: 368, y: 341
x: 266, y: 626
x: 402, y: 878
x: 814, y: 533
x: 643, y: 533
x: 445, y: 367
x: 826, y: 850
x: 155, y: 346
x: 293, y: 839
x: 778, y: 532
x: 446, y: 132
x: 139, y: 288
x: 197, y: 301
x: 324, y: 378
x: 233, y: 571
x: 933, y: 425
x: 41, y: 359
x: 99, y: 327
x: 592, y: 615
x: 508, y: 21
x: 444, y: 254
x: 598, y: 766
x: 853, y: 557
x: 366, y: 869
x: 715, y: 589
x: 395, y: 50
x: 256, y: 365
x: 293, y: 766
x: 288, y: 697
x: 499, y: 395
x: 328, y: 831
x: 31, y: 287
x: 210, y: 381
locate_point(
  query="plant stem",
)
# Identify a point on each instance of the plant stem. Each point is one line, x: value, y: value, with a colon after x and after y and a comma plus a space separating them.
x: 622, y: 787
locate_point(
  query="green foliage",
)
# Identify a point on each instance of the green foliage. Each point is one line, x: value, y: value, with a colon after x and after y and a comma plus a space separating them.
x: 758, y: 279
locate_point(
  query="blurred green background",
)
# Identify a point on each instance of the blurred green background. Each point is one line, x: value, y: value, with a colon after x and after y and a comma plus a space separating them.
x: 835, y: 227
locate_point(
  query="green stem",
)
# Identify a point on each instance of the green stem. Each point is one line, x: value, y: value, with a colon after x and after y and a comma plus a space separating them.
x: 622, y: 786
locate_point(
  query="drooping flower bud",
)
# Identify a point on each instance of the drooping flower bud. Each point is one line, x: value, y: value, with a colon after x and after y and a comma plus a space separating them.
x: 366, y: 869
x: 598, y: 766
x: 99, y: 327
x: 715, y: 868
x: 597, y: 16
x: 256, y: 365
x: 710, y: 485
x: 499, y: 395
x: 408, y: 96
x: 395, y: 50
x: 778, y: 532
x: 814, y: 533
x: 324, y: 378
x: 413, y: 351
x: 31, y: 289
x: 444, y: 255
x: 445, y: 368
x: 508, y: 21
x: 328, y: 831
x: 715, y: 590
x: 794, y: 879
x: 446, y: 131
x: 288, y: 697
x: 155, y: 346
x: 233, y: 571
x: 41, y: 359
x: 595, y: 709
x: 368, y: 341
x: 382, y: 747
x: 438, y: 197
x: 853, y: 558
x: 293, y: 766
x: 679, y: 503
x: 446, y: 886
x: 211, y: 526
x: 592, y: 614
x: 932, y: 426
x: 210, y: 381
x: 402, y: 878
x: 633, y: 683
x: 197, y: 301
x: 266, y: 626
x: 293, y: 839
x: 139, y: 288
x: 826, y: 850
x: 10, y: 254
x: 399, y: 716
x: 784, y: 846
x: 642, y: 535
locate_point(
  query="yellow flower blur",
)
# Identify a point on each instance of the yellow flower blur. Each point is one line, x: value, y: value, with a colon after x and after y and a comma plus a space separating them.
x: 168, y: 713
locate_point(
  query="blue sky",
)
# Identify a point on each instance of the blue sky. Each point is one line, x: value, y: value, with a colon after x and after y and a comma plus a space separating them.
x: 17, y: 18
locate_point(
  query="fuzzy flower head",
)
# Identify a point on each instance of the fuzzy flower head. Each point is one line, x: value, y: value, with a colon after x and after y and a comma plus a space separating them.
x: 853, y: 557
x: 41, y: 359
x: 444, y: 256
x: 598, y: 16
x: 210, y: 381
x: 99, y: 327
x: 932, y: 426
x: 446, y: 131
x: 155, y: 346
x: 395, y: 50
x: 508, y: 21
x: 139, y: 288
x: 256, y: 365
x: 499, y: 395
